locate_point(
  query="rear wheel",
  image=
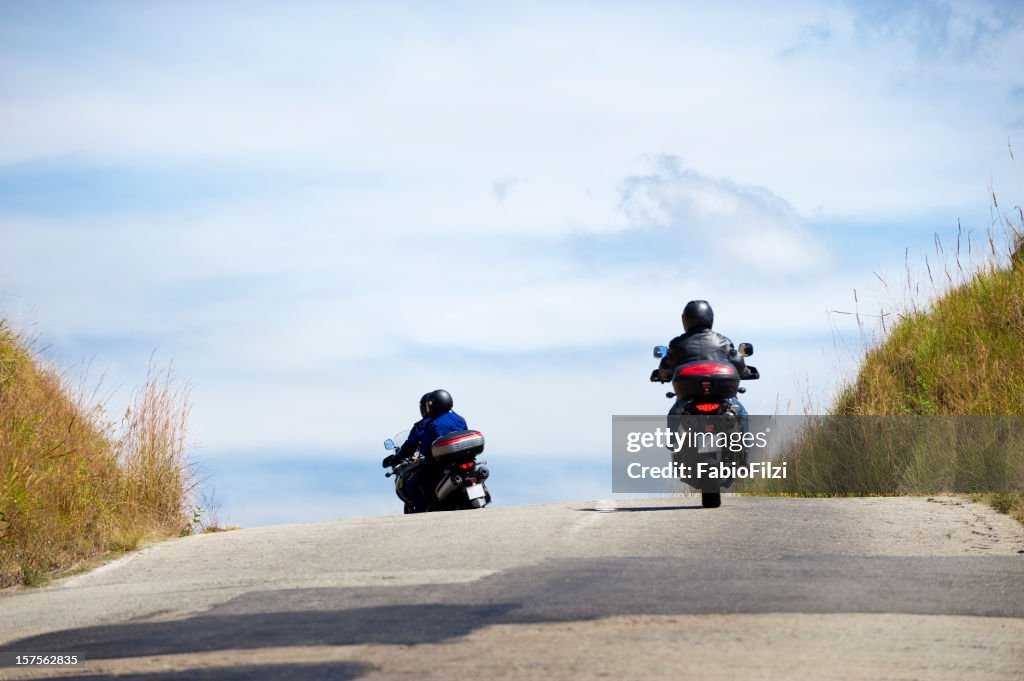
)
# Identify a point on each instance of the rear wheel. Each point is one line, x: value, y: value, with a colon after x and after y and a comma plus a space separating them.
x: 710, y: 499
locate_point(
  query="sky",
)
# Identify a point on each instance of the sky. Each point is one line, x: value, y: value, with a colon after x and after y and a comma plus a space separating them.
x: 316, y: 212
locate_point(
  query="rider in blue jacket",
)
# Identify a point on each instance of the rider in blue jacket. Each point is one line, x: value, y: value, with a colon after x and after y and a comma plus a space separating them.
x: 438, y: 419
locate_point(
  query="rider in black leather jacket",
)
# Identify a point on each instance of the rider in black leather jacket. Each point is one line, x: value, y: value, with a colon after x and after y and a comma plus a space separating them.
x: 698, y: 342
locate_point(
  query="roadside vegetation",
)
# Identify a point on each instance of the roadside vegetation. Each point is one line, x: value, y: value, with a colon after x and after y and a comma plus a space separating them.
x: 75, y: 486
x: 960, y: 354
x: 927, y: 412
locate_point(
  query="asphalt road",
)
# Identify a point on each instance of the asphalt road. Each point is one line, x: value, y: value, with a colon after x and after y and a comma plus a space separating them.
x: 881, y: 588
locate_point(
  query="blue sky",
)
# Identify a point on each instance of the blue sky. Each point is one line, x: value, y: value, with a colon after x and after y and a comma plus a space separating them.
x: 320, y: 211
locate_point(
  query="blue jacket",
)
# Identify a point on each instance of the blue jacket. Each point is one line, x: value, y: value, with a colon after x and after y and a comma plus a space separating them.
x: 425, y: 431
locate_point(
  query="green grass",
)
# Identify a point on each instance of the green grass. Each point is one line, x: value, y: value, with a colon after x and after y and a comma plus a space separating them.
x: 960, y: 356
x: 926, y: 411
x: 74, y: 486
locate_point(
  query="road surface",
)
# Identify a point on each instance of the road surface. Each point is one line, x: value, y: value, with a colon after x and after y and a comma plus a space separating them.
x: 761, y: 588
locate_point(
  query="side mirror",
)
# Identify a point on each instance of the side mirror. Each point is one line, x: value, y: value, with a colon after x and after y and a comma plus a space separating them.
x: 389, y: 444
x: 660, y: 351
x: 746, y: 349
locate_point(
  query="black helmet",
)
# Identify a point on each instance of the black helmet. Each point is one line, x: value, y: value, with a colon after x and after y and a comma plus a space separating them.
x: 697, y: 313
x: 436, y: 403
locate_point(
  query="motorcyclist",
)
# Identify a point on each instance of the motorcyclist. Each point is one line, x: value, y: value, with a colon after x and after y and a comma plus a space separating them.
x: 438, y: 419
x: 699, y: 342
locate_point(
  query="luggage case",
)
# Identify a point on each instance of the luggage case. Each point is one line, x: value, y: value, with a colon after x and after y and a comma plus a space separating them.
x: 467, y: 443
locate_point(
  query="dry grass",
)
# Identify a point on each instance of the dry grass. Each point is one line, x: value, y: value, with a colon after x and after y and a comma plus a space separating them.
x: 74, y: 486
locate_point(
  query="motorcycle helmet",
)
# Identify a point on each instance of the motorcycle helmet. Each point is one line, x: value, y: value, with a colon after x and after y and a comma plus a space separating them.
x: 697, y: 313
x: 423, y: 405
x: 438, y: 402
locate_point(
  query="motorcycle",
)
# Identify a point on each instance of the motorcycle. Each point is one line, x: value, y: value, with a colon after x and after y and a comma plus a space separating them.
x: 460, y: 483
x: 704, y: 393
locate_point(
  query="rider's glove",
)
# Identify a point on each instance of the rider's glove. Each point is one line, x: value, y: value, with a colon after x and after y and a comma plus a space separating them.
x: 656, y: 376
x: 388, y: 460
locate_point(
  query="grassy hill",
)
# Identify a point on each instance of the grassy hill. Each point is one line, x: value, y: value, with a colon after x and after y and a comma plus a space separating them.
x: 935, y: 405
x: 964, y: 354
x: 74, y: 486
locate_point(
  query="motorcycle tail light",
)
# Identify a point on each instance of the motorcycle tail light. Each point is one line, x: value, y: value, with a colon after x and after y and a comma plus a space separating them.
x: 466, y: 466
x: 472, y: 481
x: 708, y: 407
x: 706, y: 368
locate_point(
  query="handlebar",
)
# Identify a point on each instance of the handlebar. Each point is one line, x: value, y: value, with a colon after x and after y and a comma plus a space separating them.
x: 398, y: 465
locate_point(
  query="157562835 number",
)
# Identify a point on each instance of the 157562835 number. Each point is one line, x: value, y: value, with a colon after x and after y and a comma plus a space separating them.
x: 34, y: 660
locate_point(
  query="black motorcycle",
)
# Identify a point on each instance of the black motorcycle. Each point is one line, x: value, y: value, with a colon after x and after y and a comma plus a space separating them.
x: 705, y: 407
x: 460, y: 480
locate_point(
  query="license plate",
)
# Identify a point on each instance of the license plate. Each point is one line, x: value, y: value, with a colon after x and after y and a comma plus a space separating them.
x: 475, y: 492
x: 707, y: 450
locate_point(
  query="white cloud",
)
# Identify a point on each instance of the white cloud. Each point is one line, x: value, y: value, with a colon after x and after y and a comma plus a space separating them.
x: 716, y: 224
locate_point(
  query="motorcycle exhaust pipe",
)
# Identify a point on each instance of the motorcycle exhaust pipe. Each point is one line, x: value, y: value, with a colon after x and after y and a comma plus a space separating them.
x: 449, y: 484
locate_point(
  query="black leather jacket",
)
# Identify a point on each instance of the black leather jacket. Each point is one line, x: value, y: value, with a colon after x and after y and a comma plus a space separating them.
x: 700, y: 343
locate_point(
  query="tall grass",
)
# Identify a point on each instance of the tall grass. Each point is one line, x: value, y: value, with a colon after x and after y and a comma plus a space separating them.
x: 72, y: 484
x: 889, y: 455
x: 960, y: 353
x: 922, y: 416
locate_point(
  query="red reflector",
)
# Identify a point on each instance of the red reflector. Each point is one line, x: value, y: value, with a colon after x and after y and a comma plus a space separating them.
x: 467, y: 465
x: 467, y: 436
x: 706, y: 368
x: 707, y: 407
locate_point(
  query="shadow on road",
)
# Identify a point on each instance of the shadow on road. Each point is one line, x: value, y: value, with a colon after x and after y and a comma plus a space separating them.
x: 569, y: 589
x: 392, y: 624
